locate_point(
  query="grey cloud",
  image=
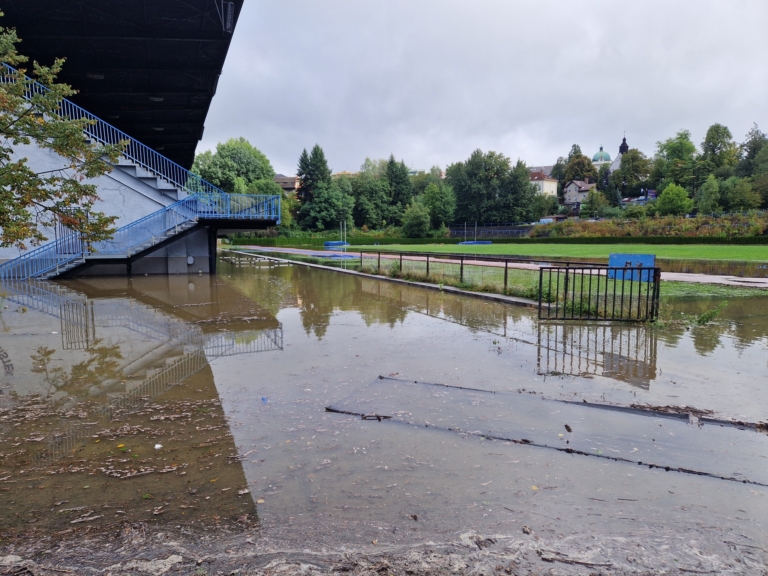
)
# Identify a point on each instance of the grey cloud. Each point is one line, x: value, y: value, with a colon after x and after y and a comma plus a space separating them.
x: 432, y: 80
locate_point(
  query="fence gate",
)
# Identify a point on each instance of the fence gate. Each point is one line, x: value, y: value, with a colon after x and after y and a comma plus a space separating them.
x: 629, y: 294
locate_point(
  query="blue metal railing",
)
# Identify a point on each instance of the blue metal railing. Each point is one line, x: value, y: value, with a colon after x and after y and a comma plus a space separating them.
x: 205, y: 201
x: 105, y: 133
x: 144, y: 232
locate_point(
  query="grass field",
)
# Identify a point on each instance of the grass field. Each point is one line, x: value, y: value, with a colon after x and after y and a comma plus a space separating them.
x: 687, y: 252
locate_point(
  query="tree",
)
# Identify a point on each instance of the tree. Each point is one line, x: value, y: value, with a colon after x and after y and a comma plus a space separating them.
x: 489, y: 189
x: 674, y: 162
x: 371, y: 195
x: 674, y: 200
x: 544, y: 205
x: 708, y: 195
x: 558, y: 172
x: 594, y: 205
x: 719, y: 148
x: 441, y: 203
x: 234, y: 166
x: 288, y: 204
x: 633, y: 172
x: 603, y: 178
x: 312, y: 171
x: 750, y: 148
x: 580, y: 167
x: 416, y: 221
x: 575, y: 151
x: 400, y: 188
x: 760, y: 163
x: 32, y: 202
x: 742, y: 197
x: 420, y: 181
x: 329, y: 207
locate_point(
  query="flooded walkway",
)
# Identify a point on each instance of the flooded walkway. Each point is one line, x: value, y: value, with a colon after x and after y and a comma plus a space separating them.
x: 715, y: 274
x: 197, y: 407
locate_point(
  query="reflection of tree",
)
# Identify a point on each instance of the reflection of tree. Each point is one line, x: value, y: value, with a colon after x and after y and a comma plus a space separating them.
x: 705, y: 339
x: 101, y: 364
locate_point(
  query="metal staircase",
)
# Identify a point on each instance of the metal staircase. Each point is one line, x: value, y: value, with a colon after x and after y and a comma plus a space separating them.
x: 196, y: 199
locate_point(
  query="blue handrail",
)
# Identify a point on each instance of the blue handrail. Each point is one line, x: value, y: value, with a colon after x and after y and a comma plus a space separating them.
x: 105, y: 133
x: 205, y: 200
x: 144, y: 232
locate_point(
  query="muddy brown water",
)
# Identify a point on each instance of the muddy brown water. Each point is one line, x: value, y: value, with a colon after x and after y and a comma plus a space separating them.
x: 200, y: 403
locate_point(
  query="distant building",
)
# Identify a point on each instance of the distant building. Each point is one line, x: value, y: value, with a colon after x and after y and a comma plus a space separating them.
x: 344, y: 173
x: 287, y: 183
x: 546, y: 170
x: 575, y: 192
x: 623, y: 149
x: 544, y: 184
x: 601, y: 158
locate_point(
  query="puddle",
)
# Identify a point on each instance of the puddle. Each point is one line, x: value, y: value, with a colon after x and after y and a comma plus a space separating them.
x: 199, y: 403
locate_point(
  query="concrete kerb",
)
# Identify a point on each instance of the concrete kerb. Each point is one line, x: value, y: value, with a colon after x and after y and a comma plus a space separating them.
x: 514, y: 300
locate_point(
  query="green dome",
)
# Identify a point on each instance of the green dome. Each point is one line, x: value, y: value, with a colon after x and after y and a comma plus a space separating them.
x: 601, y: 156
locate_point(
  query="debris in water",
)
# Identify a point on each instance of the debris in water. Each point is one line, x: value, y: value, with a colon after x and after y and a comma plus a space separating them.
x: 527, y: 530
x: 568, y: 428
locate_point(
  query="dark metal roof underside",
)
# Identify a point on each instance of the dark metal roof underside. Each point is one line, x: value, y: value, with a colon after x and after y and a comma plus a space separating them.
x: 149, y: 67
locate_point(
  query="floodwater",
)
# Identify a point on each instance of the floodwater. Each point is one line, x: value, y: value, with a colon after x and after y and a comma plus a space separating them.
x: 200, y: 402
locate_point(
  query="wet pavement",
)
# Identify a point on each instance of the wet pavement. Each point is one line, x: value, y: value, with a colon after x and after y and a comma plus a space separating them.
x: 199, y: 404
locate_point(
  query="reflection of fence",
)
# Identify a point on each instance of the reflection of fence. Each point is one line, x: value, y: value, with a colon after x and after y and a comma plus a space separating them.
x: 626, y: 353
x: 78, y: 327
x: 599, y: 293
x: 231, y: 343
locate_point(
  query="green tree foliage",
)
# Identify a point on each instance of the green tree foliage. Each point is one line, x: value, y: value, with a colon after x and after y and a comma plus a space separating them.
x: 674, y: 161
x: 489, y: 189
x: 674, y: 200
x: 544, y: 205
x: 580, y: 167
x: 288, y: 203
x: 760, y: 163
x: 594, y: 205
x: 329, y: 207
x: 371, y: 194
x: 708, y: 196
x: 440, y: 200
x: 742, y: 197
x: 424, y: 179
x: 312, y: 171
x: 750, y: 148
x: 234, y: 166
x: 632, y: 176
x: 575, y: 151
x: 400, y: 188
x: 634, y: 212
x: 558, y: 172
x: 30, y: 201
x: 603, y: 178
x: 720, y: 150
x: 416, y: 221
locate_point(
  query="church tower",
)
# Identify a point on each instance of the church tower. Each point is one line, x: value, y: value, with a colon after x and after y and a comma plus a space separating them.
x: 624, y: 148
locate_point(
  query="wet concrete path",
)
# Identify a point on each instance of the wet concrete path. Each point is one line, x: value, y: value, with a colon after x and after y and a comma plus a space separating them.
x: 688, y: 277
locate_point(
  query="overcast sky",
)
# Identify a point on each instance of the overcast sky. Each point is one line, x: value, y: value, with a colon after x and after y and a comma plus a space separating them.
x: 432, y: 80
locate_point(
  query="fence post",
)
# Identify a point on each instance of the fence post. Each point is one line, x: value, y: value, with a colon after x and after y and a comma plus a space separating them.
x: 379, y: 264
x: 461, y: 274
x: 506, y: 275
x: 401, y: 262
x: 427, y: 265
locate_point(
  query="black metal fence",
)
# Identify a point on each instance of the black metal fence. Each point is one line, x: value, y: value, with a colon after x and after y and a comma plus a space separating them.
x: 599, y: 293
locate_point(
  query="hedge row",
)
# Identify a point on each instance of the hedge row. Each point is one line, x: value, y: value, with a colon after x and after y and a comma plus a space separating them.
x: 364, y: 241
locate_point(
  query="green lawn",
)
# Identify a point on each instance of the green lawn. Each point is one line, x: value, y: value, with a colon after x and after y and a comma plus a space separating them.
x: 698, y: 252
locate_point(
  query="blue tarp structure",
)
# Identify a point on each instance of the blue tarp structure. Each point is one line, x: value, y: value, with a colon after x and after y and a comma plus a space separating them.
x: 335, y: 244
x: 477, y: 242
x: 630, y: 261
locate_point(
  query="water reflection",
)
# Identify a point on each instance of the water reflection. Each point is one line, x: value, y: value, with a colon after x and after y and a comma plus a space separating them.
x: 625, y: 353
x: 110, y: 379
